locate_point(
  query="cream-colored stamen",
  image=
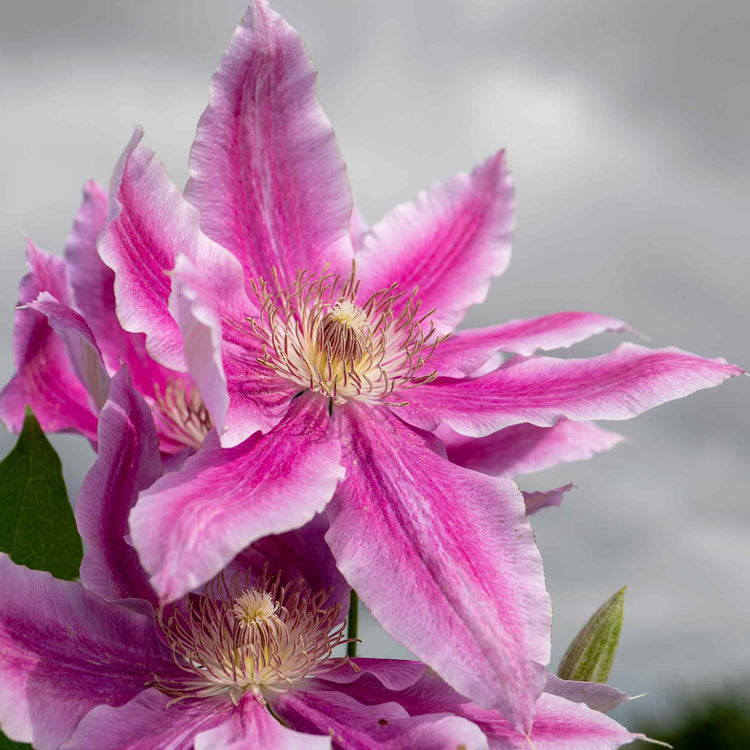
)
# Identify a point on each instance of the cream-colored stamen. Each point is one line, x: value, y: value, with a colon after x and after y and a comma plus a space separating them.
x: 255, y: 607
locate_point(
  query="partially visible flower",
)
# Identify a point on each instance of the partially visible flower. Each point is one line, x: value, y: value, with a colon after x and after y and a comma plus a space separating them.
x: 245, y: 662
x: 317, y: 357
x: 68, y: 341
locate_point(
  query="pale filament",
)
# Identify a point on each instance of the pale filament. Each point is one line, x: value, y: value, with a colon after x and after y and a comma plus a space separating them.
x: 315, y: 334
x: 237, y: 637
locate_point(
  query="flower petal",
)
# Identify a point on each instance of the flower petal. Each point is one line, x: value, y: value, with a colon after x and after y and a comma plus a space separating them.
x: 145, y: 723
x: 150, y: 223
x: 540, y: 390
x: 266, y: 173
x: 44, y: 378
x: 559, y: 724
x: 252, y: 726
x: 445, y: 560
x: 128, y: 462
x: 191, y: 523
x: 63, y: 650
x: 449, y: 242
x: 91, y: 281
x: 82, y: 349
x: 595, y: 695
x: 393, y: 674
x: 466, y: 351
x: 526, y: 448
x: 298, y: 554
x: 387, y: 725
x: 209, y: 302
x: 535, y: 501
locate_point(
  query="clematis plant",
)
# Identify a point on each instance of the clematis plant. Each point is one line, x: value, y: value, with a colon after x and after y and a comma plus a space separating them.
x: 68, y: 342
x: 319, y: 348
x: 245, y: 662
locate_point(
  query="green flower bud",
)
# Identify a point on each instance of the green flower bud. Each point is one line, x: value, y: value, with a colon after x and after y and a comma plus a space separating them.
x: 590, y: 656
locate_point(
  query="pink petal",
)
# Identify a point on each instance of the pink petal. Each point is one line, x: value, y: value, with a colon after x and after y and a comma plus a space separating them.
x: 128, y: 462
x: 358, y: 228
x: 252, y: 726
x: 535, y: 501
x: 595, y: 695
x: 92, y: 281
x: 82, y: 349
x: 526, y: 448
x: 191, y: 523
x: 559, y: 724
x: 353, y: 725
x: 211, y: 307
x: 150, y: 223
x: 540, y: 390
x: 44, y: 378
x: 298, y: 554
x: 392, y: 674
x: 449, y: 242
x: 445, y: 560
x: 466, y: 351
x: 146, y: 723
x: 266, y: 173
x: 63, y: 650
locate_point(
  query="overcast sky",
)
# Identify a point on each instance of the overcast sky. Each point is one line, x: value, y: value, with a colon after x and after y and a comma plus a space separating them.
x: 626, y: 125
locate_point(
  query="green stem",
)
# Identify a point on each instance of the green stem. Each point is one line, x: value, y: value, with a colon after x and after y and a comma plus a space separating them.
x: 351, y: 647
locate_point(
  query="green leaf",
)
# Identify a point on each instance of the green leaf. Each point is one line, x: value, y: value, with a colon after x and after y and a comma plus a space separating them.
x: 6, y: 744
x: 590, y: 656
x: 37, y: 527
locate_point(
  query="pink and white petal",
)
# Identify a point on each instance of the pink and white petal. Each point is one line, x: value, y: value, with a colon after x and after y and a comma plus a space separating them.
x: 557, y: 720
x: 44, y: 381
x: 47, y: 273
x: 82, y: 349
x: 526, y: 448
x: 252, y: 726
x: 337, y: 716
x: 619, y: 385
x: 358, y: 228
x: 445, y: 560
x: 559, y: 724
x: 300, y: 554
x: 464, y: 352
x: 209, y: 302
x: 149, y: 224
x: 449, y: 242
x: 391, y: 674
x: 266, y: 173
x: 128, y: 462
x: 535, y: 501
x: 91, y: 280
x: 595, y: 695
x: 146, y: 723
x: 191, y: 523
x: 63, y: 650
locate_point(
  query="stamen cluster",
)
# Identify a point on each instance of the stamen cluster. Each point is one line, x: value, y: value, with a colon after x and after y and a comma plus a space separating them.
x: 237, y: 637
x: 181, y: 415
x: 315, y: 334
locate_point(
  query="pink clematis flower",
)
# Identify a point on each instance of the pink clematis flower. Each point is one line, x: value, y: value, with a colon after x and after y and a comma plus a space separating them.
x: 68, y: 341
x: 246, y: 662
x: 323, y: 366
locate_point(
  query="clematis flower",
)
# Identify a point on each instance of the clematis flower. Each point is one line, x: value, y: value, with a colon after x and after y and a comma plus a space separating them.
x: 315, y: 357
x: 68, y: 342
x: 245, y: 662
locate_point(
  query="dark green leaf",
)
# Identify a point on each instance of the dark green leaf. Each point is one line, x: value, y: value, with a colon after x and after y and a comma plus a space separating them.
x: 37, y: 527
x: 590, y: 656
x: 6, y: 744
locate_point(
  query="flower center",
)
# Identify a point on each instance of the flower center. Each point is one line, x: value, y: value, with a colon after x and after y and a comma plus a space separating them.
x: 315, y: 334
x: 181, y: 416
x: 235, y: 638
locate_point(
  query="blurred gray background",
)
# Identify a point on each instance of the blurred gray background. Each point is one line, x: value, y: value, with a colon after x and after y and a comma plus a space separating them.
x: 626, y: 125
